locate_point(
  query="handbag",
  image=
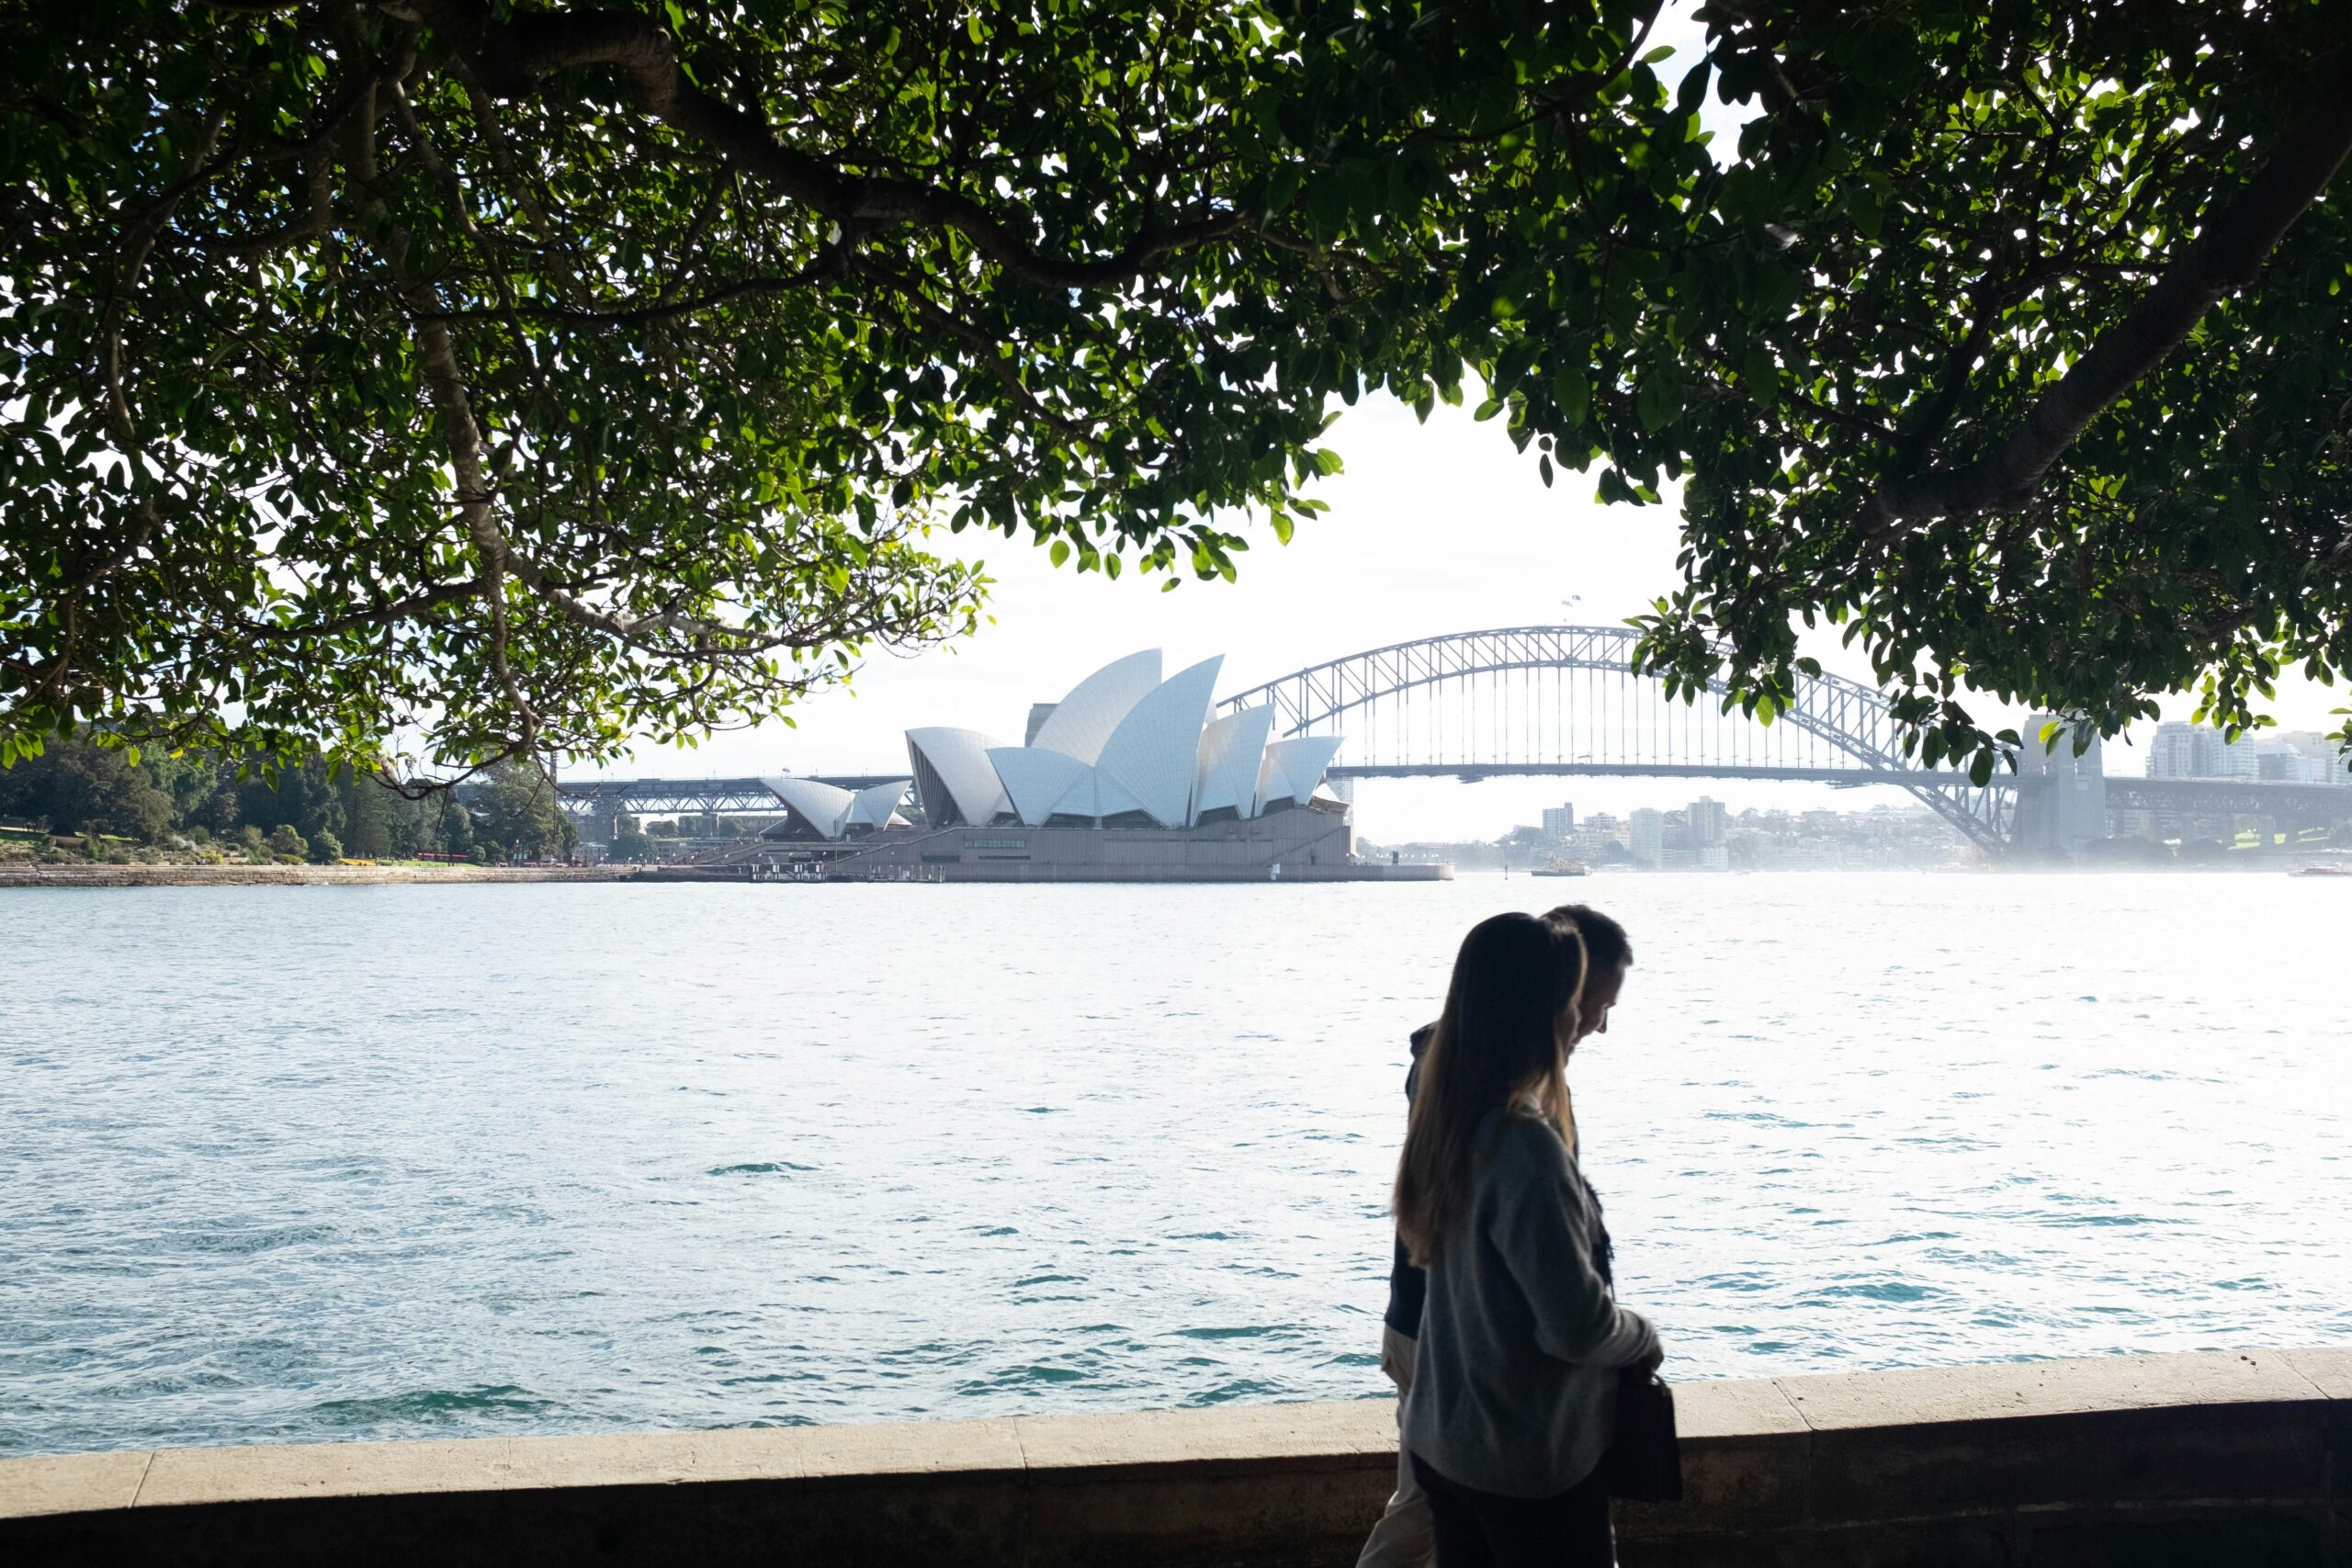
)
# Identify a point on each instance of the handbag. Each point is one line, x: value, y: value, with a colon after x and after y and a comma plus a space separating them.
x: 1644, y: 1460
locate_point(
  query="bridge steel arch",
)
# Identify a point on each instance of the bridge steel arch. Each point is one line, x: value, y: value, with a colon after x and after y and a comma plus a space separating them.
x: 1848, y: 718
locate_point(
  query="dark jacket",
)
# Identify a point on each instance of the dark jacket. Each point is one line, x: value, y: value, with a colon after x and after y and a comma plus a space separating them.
x: 1409, y: 1287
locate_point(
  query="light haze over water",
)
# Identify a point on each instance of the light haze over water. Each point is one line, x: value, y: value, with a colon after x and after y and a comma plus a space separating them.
x: 304, y: 1163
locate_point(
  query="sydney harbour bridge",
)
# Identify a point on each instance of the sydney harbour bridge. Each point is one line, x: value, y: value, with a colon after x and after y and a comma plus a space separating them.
x: 1565, y: 701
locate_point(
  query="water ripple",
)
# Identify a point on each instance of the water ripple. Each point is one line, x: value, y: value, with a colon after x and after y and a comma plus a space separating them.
x: 391, y: 1162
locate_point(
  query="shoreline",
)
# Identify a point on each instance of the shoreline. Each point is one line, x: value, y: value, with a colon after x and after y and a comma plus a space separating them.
x: 300, y: 876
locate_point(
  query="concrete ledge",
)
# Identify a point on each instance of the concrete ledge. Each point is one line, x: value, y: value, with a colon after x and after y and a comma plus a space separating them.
x: 2211, y: 1460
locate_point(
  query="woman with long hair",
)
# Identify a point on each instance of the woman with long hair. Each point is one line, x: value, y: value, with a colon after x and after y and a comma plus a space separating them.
x: 1514, y: 1387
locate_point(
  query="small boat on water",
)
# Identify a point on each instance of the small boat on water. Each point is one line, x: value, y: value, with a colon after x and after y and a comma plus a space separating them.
x: 1560, y: 866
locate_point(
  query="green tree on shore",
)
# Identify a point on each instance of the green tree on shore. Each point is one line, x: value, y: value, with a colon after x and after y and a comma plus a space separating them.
x: 86, y: 789
x: 303, y: 794
x: 517, y: 815
x: 539, y: 375
x: 83, y: 786
x: 371, y: 825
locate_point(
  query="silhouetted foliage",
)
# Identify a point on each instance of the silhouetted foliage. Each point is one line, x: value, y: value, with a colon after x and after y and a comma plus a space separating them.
x: 536, y: 374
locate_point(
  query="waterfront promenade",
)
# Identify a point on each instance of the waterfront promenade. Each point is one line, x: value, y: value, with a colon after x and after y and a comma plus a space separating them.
x: 2230, y: 1458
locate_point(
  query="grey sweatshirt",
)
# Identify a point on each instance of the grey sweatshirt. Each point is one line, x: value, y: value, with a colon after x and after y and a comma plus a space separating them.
x: 1515, y: 1384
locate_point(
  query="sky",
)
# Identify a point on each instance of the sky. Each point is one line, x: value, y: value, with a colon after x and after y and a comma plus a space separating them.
x: 1433, y: 528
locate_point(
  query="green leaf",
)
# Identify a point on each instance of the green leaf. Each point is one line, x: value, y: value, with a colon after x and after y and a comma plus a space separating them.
x: 1570, y: 391
x: 1655, y: 403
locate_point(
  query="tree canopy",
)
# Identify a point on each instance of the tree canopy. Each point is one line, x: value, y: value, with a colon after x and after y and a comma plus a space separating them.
x: 529, y: 375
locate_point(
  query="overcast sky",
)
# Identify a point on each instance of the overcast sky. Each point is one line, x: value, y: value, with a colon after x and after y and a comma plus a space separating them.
x: 1433, y: 528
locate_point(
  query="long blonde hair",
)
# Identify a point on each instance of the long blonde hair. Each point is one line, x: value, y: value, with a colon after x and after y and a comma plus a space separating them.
x: 1499, y: 1042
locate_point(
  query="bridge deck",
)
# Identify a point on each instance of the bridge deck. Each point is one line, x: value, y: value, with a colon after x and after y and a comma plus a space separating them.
x: 1908, y: 778
x: 694, y: 795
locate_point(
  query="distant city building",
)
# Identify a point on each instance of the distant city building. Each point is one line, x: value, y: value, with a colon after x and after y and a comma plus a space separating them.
x: 1559, y: 823
x: 1885, y: 836
x: 1708, y: 822
x: 2184, y: 751
x: 2334, y: 759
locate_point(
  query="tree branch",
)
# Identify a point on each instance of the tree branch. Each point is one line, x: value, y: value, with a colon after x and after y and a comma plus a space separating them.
x: 2226, y: 256
x: 987, y: 352
x: 398, y: 610
x: 462, y: 436
x: 711, y: 639
x: 826, y: 265
x: 512, y: 58
x: 139, y: 244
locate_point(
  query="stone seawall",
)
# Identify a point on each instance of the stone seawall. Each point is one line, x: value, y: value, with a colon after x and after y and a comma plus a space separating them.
x: 2223, y: 1461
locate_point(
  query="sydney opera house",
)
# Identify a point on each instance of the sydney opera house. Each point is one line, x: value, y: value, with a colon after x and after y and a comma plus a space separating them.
x: 1127, y: 778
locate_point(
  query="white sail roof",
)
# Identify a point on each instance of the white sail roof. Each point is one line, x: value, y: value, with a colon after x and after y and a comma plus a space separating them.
x: 1094, y: 795
x: 1082, y: 722
x: 821, y: 806
x: 1231, y: 751
x: 1155, y: 749
x: 879, y: 806
x: 1123, y: 742
x: 957, y: 763
x: 1294, y: 767
x: 1036, y: 779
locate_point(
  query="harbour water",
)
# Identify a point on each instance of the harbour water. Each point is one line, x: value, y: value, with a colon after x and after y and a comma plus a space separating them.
x: 304, y: 1163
